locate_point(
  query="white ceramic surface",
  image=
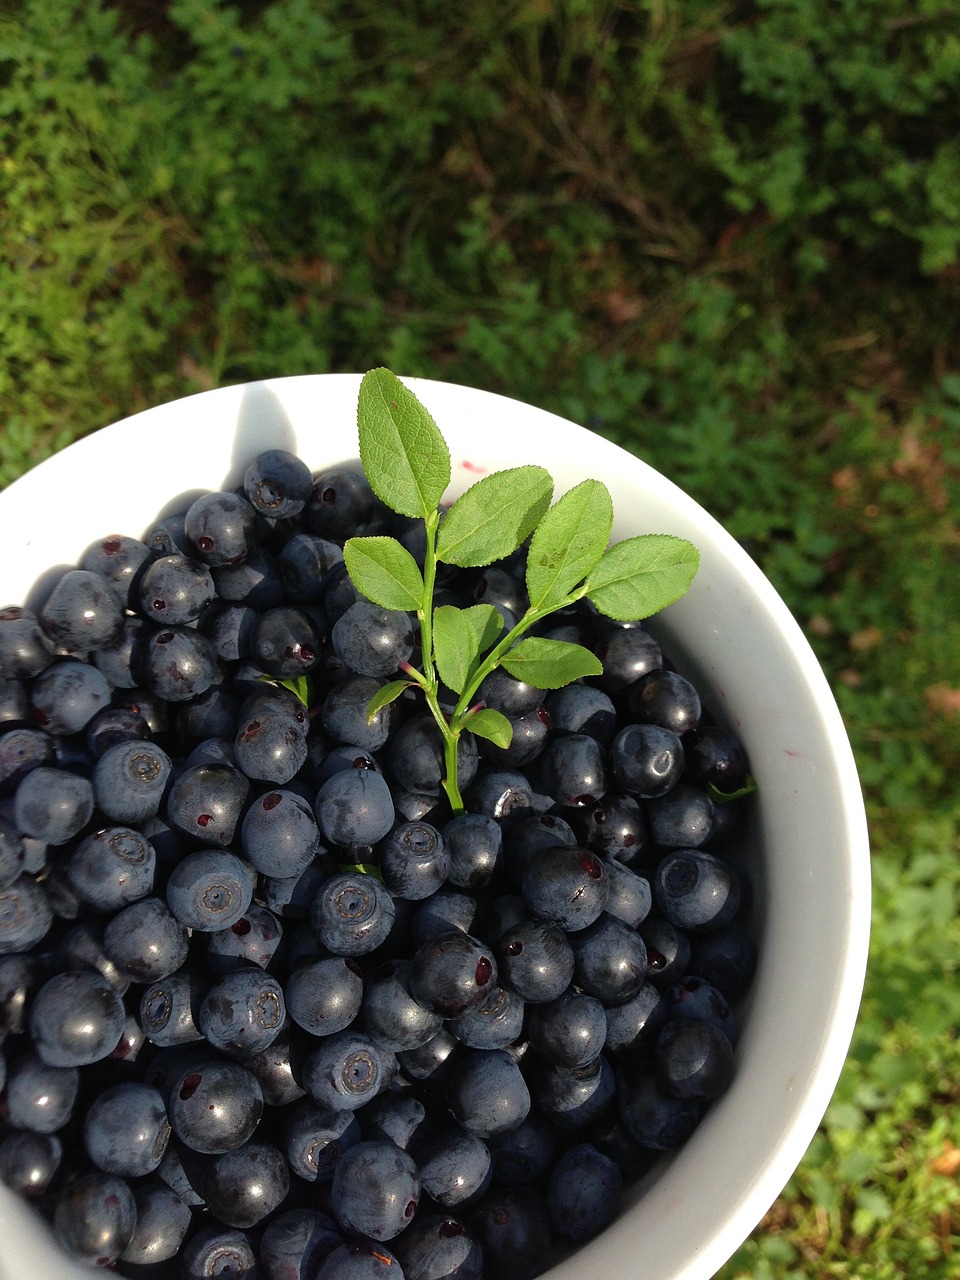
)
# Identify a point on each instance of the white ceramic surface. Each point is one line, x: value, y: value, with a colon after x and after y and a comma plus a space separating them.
x: 733, y: 635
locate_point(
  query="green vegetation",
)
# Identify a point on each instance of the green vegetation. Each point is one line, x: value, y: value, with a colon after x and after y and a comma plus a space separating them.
x: 725, y: 234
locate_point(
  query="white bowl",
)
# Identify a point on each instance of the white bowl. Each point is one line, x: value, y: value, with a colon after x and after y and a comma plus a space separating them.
x: 735, y: 637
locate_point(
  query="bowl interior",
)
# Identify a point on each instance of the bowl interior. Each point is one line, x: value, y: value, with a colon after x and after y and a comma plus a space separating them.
x: 732, y: 634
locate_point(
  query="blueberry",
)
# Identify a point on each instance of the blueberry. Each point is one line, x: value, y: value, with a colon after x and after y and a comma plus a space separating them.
x: 253, y: 939
x: 696, y: 890
x: 474, y: 843
x: 242, y: 1012
x: 432, y: 1061
x: 39, y: 1097
x: 324, y: 996
x: 279, y: 1067
x: 694, y: 1058
x: 493, y: 1024
x: 615, y: 827
x: 646, y: 760
x: 314, y: 1138
x: 582, y: 708
x: 176, y: 589
x: 253, y: 581
x: 610, y: 960
x: 341, y: 503
x: 21, y: 976
x: 216, y: 1250
x: 206, y: 802
x: 628, y: 654
x: 29, y: 1161
x: 359, y: 1261
x: 112, y: 726
x: 343, y: 713
x: 583, y: 1192
x: 163, y: 1221
x: 210, y: 890
x: 535, y: 959
x: 243, y: 1186
x: 354, y: 808
x: 170, y: 1007
x: 53, y: 805
x: 94, y: 1218
x: 67, y: 695
x: 668, y: 951
x: 215, y: 1106
x: 487, y: 1092
x: 415, y: 756
x: 111, y: 868
x: 146, y: 941
x: 221, y: 528
x: 277, y: 484
x: 76, y: 1018
x: 389, y: 1012
x: 440, y: 1246
x: 726, y: 958
x: 25, y: 648
x: 572, y: 770
x: 21, y: 750
x: 397, y: 1115
x: 569, y: 1031
x: 575, y: 1097
x: 121, y: 561
x: 685, y: 818
x: 441, y: 912
x: 125, y: 1129
x: 653, y: 1117
x: 295, y: 1243
x: 26, y: 915
x: 270, y: 746
x: 81, y: 614
x: 352, y: 913
x: 715, y: 757
x: 307, y: 563
x: 522, y: 1156
x: 507, y: 694
x: 452, y: 973
x: 413, y: 860
x: 346, y: 1070
x: 565, y: 886
x: 372, y: 641
x: 178, y: 663
x: 665, y: 698
x: 286, y: 641
x: 630, y: 897
x: 514, y: 1230
x: 130, y: 779
x: 375, y: 1191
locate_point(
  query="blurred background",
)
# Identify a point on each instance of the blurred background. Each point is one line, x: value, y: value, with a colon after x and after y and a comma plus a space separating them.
x: 724, y: 234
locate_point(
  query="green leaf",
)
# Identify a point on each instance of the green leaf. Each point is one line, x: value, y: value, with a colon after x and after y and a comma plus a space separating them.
x: 724, y: 797
x: 490, y: 724
x: 460, y: 636
x: 385, y: 571
x: 494, y: 516
x: 641, y: 575
x: 298, y: 685
x: 550, y: 664
x: 383, y: 697
x: 405, y: 457
x: 567, y: 544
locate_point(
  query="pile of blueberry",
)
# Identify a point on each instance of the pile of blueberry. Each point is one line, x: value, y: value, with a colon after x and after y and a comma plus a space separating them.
x: 268, y: 1007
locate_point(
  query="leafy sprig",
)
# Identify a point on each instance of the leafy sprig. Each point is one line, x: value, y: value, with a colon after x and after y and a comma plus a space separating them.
x: 407, y: 463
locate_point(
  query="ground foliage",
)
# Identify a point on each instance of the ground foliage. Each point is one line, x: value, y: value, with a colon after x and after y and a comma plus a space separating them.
x: 724, y: 234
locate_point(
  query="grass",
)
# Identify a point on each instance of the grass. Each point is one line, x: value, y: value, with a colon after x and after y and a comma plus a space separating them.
x: 724, y: 234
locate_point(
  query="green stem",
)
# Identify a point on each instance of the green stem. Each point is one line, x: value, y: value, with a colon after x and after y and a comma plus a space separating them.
x: 425, y: 613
